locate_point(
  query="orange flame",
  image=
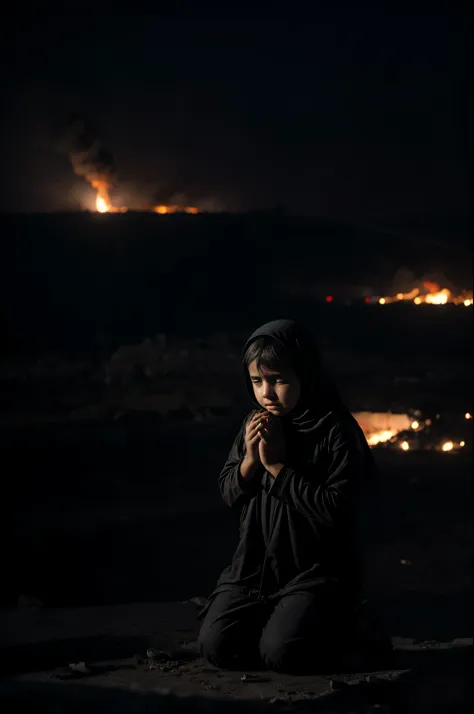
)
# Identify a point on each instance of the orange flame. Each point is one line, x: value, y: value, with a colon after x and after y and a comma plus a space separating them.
x: 104, y: 205
x: 101, y: 205
x: 430, y: 286
x: 102, y: 201
x: 434, y: 296
x: 164, y: 210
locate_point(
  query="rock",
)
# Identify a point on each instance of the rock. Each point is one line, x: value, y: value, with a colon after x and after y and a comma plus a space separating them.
x: 75, y: 671
x: 79, y: 667
x: 153, y: 653
x: 254, y: 678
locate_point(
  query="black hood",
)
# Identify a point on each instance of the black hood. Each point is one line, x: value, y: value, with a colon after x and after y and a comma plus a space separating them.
x: 319, y: 396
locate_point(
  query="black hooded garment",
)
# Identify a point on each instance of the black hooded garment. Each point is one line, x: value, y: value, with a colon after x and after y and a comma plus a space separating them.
x: 300, y: 529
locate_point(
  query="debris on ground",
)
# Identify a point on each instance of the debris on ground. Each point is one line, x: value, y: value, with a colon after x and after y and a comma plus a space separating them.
x: 253, y: 678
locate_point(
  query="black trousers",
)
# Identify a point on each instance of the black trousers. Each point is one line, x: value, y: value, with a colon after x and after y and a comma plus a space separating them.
x: 302, y: 632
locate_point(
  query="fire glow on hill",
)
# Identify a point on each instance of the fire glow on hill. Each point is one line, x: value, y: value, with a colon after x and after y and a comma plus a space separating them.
x: 94, y: 163
x: 103, y: 204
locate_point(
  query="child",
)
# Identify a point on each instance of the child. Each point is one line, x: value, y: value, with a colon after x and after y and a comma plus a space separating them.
x: 296, y: 473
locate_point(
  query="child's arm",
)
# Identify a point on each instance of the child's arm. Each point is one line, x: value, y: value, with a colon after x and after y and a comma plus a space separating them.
x: 239, y: 479
x: 331, y: 501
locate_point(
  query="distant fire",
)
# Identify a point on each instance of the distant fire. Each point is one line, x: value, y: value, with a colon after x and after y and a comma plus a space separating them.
x: 103, y: 203
x: 402, y: 432
x: 380, y: 427
x: 430, y: 294
x: 163, y: 210
x: 94, y: 163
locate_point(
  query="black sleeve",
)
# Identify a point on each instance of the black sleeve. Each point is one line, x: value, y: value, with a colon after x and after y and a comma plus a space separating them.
x: 327, y: 498
x: 233, y: 487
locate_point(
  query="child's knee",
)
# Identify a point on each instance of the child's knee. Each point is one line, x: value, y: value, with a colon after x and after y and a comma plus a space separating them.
x: 215, y: 645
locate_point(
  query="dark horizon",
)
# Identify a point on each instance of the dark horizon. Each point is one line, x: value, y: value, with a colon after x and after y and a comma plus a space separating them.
x: 345, y: 113
x: 452, y: 234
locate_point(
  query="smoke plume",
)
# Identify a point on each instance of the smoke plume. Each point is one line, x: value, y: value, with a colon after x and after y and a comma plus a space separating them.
x: 89, y: 158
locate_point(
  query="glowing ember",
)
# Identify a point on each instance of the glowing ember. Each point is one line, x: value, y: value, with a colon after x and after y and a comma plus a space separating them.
x: 447, y: 446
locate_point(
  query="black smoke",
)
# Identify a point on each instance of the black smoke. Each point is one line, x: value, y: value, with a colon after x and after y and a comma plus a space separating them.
x: 89, y: 158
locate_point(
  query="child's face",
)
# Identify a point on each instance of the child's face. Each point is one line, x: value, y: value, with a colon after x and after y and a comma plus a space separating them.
x: 277, y: 391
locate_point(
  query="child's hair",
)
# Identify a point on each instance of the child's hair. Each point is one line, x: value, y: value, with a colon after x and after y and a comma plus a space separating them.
x: 266, y: 352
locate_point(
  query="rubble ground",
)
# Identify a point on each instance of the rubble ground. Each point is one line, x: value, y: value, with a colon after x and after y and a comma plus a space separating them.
x: 97, y: 657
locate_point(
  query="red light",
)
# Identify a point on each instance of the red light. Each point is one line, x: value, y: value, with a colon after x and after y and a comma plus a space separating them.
x: 367, y: 299
x: 329, y: 298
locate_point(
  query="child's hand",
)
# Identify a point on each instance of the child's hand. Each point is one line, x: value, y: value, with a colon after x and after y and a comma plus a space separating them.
x: 252, y: 438
x: 271, y: 446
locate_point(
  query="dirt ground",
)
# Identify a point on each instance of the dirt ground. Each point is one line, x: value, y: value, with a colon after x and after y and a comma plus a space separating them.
x: 42, y: 643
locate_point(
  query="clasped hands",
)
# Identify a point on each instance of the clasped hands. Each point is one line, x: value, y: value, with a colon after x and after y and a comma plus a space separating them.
x: 265, y: 441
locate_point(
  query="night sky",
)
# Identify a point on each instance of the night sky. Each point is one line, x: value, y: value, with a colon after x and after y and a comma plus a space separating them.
x: 336, y: 111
